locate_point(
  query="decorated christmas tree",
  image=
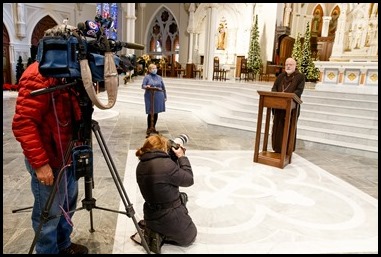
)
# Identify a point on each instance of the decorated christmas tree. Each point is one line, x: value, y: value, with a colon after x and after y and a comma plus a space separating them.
x: 297, y: 52
x: 254, y: 61
x: 307, y: 66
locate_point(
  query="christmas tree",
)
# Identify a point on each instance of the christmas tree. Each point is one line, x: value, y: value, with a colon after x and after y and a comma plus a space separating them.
x: 297, y: 52
x: 19, y: 69
x: 307, y: 66
x: 254, y: 61
x: 30, y: 61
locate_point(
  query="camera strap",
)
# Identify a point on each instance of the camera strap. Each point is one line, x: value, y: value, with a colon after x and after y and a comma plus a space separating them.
x: 110, y: 75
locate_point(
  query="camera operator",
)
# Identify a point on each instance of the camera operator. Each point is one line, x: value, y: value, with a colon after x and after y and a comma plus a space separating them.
x: 166, y: 218
x: 43, y: 125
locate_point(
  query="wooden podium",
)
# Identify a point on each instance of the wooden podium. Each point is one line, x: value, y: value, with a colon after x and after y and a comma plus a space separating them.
x: 277, y: 100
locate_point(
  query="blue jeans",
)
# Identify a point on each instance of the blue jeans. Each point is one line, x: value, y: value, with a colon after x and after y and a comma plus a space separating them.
x: 56, y: 230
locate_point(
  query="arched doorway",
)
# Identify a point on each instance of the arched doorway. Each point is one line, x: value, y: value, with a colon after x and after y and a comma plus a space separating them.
x: 163, y: 40
x: 45, y: 23
x: 6, y: 61
x: 285, y: 48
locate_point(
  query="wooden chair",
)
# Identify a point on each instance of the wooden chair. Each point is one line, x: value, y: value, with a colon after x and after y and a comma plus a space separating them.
x: 246, y: 72
x: 261, y: 73
x: 271, y: 72
x: 216, y: 68
x: 197, y: 72
x: 218, y: 74
x: 179, y: 70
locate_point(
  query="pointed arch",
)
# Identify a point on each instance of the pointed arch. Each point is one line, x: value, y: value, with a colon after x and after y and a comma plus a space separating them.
x: 6, y: 59
x: 317, y: 21
x: 163, y: 36
x: 45, y: 23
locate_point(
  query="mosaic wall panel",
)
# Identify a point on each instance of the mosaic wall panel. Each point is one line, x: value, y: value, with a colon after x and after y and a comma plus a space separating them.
x: 331, y: 76
x: 371, y: 77
x: 352, y: 76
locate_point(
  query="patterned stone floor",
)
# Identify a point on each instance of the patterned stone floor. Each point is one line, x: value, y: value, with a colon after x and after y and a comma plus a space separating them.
x: 123, y: 129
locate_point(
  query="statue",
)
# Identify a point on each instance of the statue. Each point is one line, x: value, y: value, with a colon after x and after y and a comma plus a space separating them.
x: 20, y: 12
x: 221, y: 37
x: 333, y: 23
x: 316, y: 22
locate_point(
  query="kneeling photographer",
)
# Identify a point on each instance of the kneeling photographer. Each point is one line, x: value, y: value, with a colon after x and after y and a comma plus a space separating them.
x: 159, y: 176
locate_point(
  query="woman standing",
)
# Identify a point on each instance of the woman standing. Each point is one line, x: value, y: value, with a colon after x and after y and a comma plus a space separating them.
x: 154, y: 97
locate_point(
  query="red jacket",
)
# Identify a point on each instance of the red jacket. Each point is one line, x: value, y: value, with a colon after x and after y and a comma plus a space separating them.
x: 35, y: 124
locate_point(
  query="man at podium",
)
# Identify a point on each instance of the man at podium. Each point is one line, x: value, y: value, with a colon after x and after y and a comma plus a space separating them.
x: 289, y: 81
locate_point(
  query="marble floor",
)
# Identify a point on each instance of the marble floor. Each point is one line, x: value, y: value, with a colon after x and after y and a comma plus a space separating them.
x: 244, y: 207
x: 239, y: 206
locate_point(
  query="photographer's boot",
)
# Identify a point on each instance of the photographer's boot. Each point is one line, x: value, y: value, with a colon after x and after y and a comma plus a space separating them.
x: 183, y: 198
x: 154, y: 240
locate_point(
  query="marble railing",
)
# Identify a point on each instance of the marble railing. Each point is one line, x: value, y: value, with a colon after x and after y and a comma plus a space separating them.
x: 348, y: 73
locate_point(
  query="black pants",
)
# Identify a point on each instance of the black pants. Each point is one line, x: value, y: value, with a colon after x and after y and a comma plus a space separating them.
x: 155, y: 116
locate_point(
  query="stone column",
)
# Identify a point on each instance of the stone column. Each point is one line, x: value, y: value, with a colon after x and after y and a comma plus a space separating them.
x: 325, y: 28
x: 130, y: 25
x: 211, y: 24
x: 190, y: 30
x: 20, y: 23
x: 286, y: 17
x: 142, y: 18
x: 338, y: 45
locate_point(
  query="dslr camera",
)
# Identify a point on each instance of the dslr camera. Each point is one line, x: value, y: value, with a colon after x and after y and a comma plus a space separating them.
x: 177, y: 142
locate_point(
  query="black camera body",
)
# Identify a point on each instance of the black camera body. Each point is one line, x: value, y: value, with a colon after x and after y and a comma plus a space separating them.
x: 177, y: 142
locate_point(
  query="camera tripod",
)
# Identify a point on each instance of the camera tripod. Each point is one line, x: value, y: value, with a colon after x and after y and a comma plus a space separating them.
x: 82, y: 163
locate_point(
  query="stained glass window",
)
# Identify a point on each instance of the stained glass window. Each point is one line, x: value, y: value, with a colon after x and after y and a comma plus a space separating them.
x: 109, y: 11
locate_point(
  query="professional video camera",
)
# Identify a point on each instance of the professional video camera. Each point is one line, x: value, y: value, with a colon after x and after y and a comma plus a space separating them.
x: 83, y: 52
x: 127, y: 63
x: 177, y: 142
x: 97, y: 30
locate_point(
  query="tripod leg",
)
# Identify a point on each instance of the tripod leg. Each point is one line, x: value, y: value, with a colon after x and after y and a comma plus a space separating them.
x: 118, y: 182
x: 22, y: 209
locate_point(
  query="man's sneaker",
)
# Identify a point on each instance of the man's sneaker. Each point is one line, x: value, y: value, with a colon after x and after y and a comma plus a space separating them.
x: 75, y: 249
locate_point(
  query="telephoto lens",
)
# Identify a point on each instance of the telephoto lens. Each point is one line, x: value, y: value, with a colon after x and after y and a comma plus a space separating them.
x: 177, y: 142
x: 181, y: 139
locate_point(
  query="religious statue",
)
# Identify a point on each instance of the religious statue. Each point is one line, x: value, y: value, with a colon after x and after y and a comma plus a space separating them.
x: 221, y: 37
x: 315, y: 26
x: 333, y: 23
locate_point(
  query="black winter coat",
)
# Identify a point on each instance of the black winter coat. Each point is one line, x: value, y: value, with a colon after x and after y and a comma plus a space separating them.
x: 159, y: 179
